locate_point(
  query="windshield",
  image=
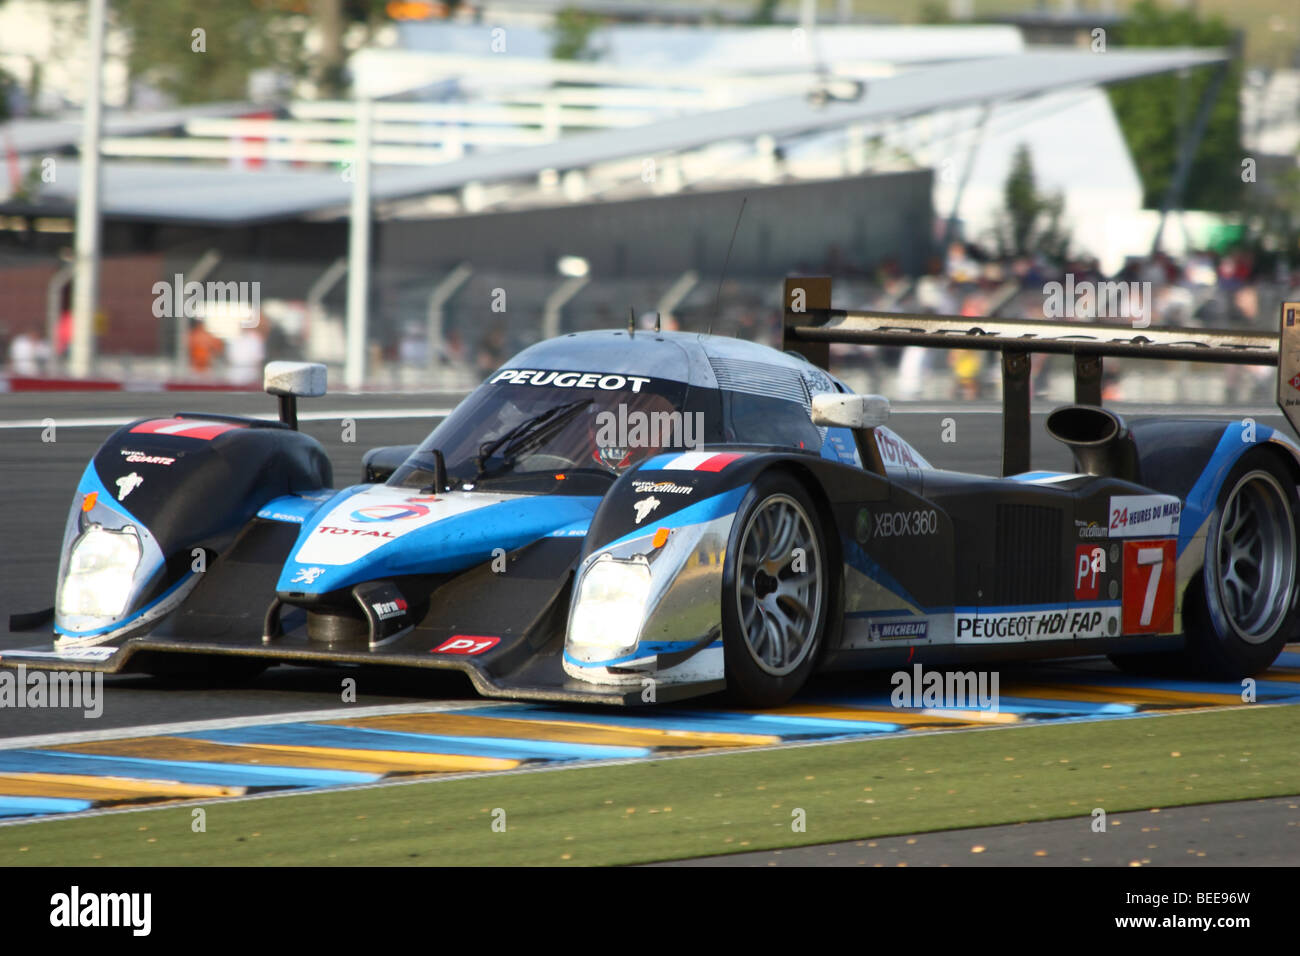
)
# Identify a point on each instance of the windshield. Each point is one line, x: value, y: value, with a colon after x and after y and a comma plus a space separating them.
x: 534, y: 427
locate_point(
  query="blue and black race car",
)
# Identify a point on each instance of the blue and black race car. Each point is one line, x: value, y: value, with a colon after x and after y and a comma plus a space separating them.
x: 629, y: 517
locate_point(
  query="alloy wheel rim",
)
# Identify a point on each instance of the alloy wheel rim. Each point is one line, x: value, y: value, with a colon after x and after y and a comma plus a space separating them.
x: 1255, y: 557
x: 779, y: 590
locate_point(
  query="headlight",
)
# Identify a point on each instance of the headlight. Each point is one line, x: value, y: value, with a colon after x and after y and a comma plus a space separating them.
x: 101, y: 567
x: 611, y: 604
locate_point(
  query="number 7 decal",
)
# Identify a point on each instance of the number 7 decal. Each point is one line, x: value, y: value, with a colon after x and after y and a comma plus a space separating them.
x: 1155, y: 559
x: 1149, y: 586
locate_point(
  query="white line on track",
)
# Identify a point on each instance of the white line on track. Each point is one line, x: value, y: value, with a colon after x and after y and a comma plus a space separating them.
x: 226, y: 723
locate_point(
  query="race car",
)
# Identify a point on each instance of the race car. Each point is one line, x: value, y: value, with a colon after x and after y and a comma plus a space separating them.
x: 631, y: 517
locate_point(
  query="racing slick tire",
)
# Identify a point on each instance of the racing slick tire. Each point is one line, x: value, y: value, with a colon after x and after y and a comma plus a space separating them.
x: 776, y: 593
x: 1241, y: 610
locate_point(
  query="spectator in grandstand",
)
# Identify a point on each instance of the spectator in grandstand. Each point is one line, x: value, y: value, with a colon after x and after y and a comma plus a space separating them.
x: 204, y: 347
x: 27, y: 355
x: 247, y: 355
x: 491, y: 351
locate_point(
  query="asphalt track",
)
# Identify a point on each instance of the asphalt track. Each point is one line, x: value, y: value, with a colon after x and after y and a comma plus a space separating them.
x: 218, y: 741
x: 1241, y: 833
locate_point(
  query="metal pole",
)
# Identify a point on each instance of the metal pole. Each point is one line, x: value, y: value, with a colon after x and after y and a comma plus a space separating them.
x: 438, y: 299
x: 677, y: 293
x: 950, y: 228
x: 1187, y: 152
x: 85, y: 293
x: 316, y: 293
x: 808, y: 14
x: 1015, y: 413
x: 556, y: 301
x: 808, y: 21
x: 354, y: 370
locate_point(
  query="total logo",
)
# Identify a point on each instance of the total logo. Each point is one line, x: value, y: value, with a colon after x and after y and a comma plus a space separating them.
x: 411, y: 508
x: 355, y: 532
x: 894, y: 450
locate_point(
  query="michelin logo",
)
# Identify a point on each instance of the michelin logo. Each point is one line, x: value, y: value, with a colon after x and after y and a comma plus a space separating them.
x: 898, y: 630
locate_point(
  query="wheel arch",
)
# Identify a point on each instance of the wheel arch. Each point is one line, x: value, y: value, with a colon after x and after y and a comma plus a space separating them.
x: 1275, y: 449
x: 1204, y: 621
x: 1285, y: 453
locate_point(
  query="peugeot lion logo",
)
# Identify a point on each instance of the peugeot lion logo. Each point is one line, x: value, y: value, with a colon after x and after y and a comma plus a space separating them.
x: 644, y: 507
x: 127, y: 484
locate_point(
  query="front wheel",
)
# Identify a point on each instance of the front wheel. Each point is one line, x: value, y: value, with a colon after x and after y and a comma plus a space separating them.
x: 1242, y: 610
x: 775, y: 593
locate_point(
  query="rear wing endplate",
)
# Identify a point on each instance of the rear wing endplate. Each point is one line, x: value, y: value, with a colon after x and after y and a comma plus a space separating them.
x: 810, y: 326
x: 1288, y: 366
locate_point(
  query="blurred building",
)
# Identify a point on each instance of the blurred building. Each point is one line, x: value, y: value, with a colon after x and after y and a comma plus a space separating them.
x: 43, y: 46
x: 855, y: 150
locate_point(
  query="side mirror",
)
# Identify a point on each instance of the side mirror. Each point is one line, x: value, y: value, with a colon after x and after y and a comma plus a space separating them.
x: 290, y: 381
x: 300, y: 379
x: 378, y: 464
x: 857, y: 412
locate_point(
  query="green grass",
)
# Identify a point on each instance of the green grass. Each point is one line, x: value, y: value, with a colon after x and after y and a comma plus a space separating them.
x: 715, y: 804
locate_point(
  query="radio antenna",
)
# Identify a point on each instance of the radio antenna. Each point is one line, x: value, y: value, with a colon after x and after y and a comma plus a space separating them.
x: 726, y: 262
x: 631, y: 320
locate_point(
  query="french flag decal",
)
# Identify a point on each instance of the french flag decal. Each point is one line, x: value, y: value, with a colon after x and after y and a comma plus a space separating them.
x: 185, y: 427
x: 693, y: 461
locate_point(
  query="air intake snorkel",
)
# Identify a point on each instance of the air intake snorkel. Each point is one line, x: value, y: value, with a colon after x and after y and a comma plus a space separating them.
x: 1100, y: 441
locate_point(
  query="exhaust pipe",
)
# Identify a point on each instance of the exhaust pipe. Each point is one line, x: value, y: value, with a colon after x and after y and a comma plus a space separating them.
x: 1100, y: 441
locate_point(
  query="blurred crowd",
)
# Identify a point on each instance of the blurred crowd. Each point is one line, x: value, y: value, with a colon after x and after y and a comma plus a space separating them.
x: 1203, y: 290
x: 1206, y: 289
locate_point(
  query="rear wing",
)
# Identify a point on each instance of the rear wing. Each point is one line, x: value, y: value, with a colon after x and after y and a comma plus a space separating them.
x: 811, y: 325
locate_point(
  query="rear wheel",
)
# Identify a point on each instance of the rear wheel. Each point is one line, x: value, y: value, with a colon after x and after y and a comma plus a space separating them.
x: 1241, y: 610
x: 775, y: 593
